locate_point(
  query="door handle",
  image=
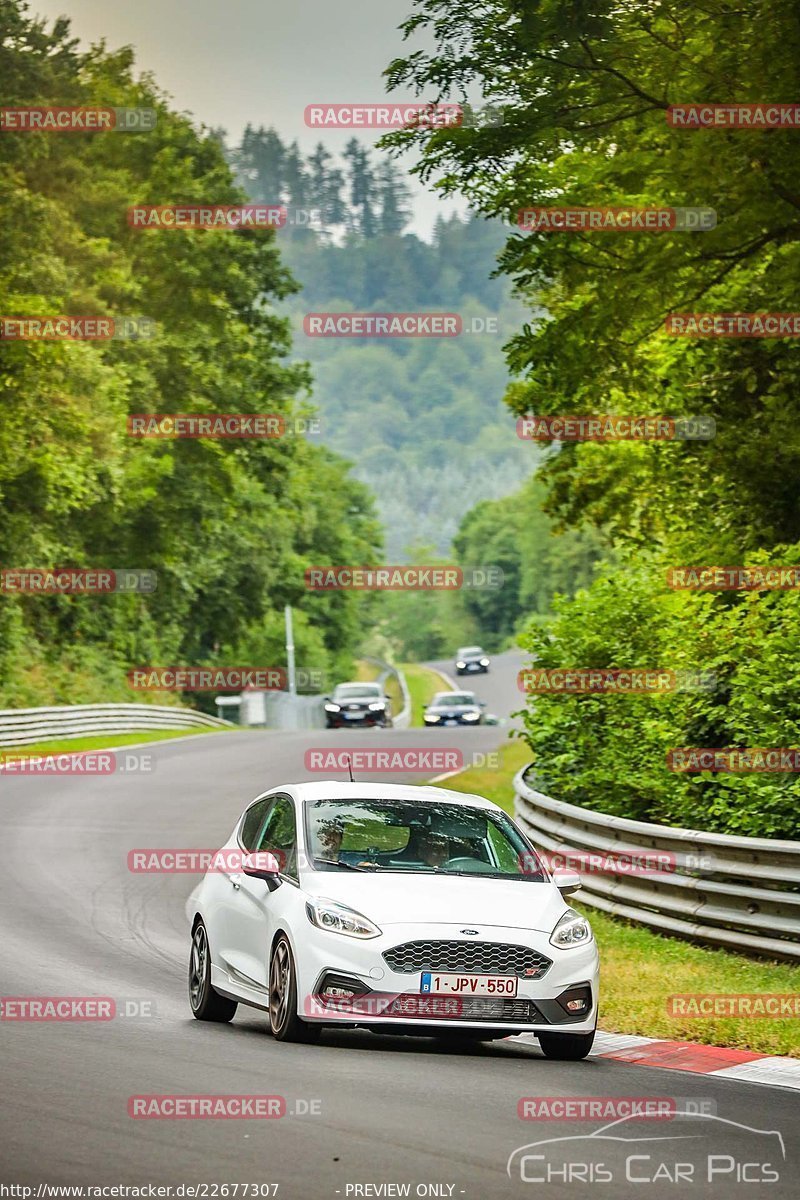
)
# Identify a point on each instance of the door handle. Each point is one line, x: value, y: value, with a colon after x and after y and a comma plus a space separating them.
x: 234, y: 882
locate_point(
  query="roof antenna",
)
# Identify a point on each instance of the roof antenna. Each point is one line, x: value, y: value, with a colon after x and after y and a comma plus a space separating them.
x: 350, y: 768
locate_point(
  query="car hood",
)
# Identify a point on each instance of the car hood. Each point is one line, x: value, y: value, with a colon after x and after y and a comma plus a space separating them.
x: 393, y: 899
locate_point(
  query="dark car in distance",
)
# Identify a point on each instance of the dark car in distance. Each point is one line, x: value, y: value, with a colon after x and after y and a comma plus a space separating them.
x: 471, y: 660
x: 358, y: 704
x: 454, y: 708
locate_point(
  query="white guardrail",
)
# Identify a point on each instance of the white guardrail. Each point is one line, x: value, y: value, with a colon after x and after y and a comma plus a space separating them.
x: 739, y: 892
x: 21, y: 725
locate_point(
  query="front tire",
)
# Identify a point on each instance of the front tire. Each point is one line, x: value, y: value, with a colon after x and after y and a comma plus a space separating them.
x: 284, y: 1023
x: 567, y: 1047
x: 207, y: 1005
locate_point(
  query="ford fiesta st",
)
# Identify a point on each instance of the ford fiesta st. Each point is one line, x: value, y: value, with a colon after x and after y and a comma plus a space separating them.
x: 398, y: 908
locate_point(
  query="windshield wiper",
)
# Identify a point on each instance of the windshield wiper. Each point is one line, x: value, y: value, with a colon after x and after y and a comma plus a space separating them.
x: 482, y: 874
x: 332, y: 862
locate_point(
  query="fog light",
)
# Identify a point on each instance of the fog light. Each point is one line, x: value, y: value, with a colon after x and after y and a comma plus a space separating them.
x: 331, y: 990
x: 576, y: 1005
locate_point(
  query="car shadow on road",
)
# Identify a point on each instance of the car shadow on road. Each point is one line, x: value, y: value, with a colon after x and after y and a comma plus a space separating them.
x: 249, y: 1025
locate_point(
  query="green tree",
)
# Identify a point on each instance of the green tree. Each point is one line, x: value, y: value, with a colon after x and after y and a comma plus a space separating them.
x: 226, y: 525
x: 584, y: 91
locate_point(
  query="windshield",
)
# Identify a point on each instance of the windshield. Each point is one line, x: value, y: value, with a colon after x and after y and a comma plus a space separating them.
x: 469, y: 651
x: 455, y: 699
x: 350, y: 691
x: 400, y: 835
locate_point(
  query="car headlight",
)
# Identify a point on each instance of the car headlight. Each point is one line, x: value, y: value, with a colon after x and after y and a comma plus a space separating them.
x: 378, y: 706
x: 338, y: 918
x: 571, y: 930
x: 432, y: 717
x: 461, y: 664
x: 484, y: 662
x: 333, y: 708
x: 470, y: 716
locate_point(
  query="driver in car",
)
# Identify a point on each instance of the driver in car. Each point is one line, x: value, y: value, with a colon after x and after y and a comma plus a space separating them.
x: 330, y: 834
x: 433, y: 848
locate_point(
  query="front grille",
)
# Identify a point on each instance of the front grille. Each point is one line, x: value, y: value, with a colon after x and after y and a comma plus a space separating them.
x: 493, y: 1009
x: 478, y: 958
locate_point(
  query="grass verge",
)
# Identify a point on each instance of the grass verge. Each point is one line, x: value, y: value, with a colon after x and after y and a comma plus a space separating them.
x: 641, y: 969
x: 422, y: 684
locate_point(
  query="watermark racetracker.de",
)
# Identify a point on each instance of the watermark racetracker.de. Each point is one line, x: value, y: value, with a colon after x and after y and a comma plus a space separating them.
x: 406, y: 578
x: 54, y: 119
x: 75, y: 581
x: 84, y: 762
x: 539, y: 681
x: 570, y: 219
x: 614, y: 428
x: 61, y: 328
x: 390, y: 759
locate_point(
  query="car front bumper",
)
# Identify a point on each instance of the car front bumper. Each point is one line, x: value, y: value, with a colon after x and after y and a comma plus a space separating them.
x: 360, y: 720
x: 391, y: 998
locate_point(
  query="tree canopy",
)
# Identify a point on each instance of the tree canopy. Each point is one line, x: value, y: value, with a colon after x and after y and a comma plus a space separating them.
x: 227, y: 525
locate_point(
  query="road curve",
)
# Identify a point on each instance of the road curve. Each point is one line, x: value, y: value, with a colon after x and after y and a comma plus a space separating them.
x: 76, y: 922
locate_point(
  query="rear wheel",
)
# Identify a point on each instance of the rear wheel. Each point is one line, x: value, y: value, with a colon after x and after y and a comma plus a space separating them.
x: 207, y: 1005
x: 568, y: 1047
x: 284, y: 1022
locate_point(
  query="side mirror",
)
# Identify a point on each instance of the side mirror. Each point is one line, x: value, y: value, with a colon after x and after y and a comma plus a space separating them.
x: 262, y: 865
x: 566, y: 881
x: 482, y: 703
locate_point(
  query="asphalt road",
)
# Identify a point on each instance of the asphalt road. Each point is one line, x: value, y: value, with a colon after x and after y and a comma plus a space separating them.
x: 383, y: 1110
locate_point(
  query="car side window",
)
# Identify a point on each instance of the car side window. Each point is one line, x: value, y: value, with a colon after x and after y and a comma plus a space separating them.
x: 280, y: 836
x: 253, y: 820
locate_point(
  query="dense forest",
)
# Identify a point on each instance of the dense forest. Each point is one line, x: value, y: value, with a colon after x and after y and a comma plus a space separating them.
x: 585, y: 93
x: 228, y: 526
x: 422, y: 419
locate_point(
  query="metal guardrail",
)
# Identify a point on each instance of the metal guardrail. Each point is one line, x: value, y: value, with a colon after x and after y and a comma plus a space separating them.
x: 280, y: 710
x: 402, y: 719
x: 739, y: 892
x: 23, y: 725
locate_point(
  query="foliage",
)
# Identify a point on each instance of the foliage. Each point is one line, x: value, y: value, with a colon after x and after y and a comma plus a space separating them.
x: 584, y: 91
x: 538, y: 560
x: 422, y: 418
x: 228, y: 526
x: 609, y: 751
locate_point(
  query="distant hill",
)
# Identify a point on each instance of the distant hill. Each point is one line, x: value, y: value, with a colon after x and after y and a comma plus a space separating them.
x: 422, y: 419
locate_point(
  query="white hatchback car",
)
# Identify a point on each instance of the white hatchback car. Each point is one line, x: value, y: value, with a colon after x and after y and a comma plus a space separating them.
x: 399, y: 908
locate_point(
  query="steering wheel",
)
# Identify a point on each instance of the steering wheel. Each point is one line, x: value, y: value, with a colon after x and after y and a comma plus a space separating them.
x: 477, y: 865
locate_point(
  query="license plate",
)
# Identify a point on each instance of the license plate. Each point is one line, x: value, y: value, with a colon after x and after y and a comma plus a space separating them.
x: 448, y: 983
x: 451, y: 721
x: 472, y: 667
x: 353, y: 716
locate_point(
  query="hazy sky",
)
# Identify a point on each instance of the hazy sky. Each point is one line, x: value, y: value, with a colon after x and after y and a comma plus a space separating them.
x: 233, y: 61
